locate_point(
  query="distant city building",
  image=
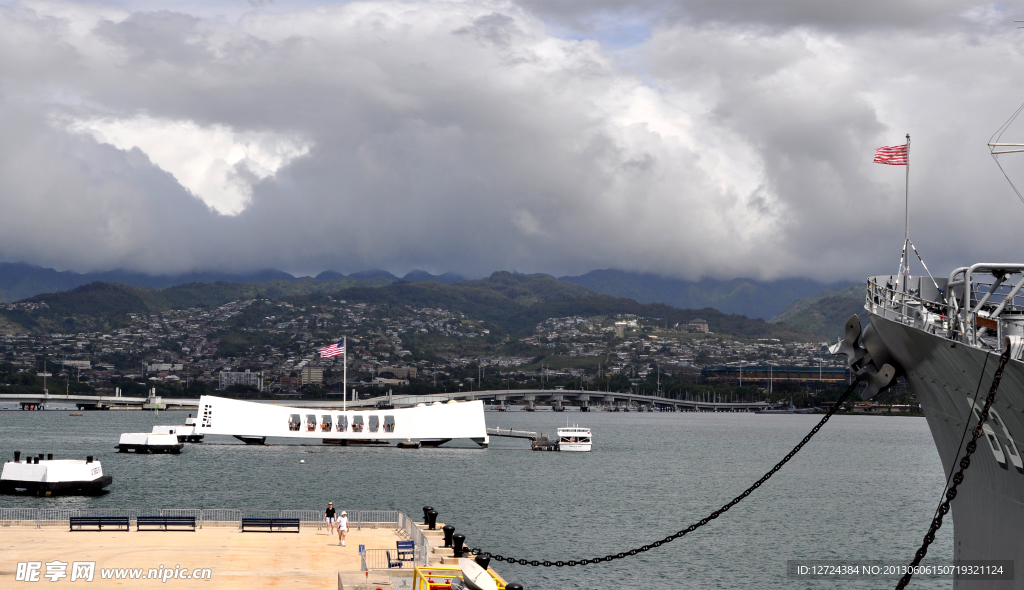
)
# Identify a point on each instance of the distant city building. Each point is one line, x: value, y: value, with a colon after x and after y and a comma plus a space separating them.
x: 696, y: 325
x: 291, y: 382
x: 380, y: 381
x: 399, y: 372
x: 157, y: 367
x: 84, y: 365
x: 312, y: 374
x: 250, y: 379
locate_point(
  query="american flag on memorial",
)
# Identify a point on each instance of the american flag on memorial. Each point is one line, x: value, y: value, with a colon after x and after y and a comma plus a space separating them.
x: 895, y: 155
x: 332, y: 350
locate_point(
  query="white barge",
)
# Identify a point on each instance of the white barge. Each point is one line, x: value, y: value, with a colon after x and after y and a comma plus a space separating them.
x: 50, y: 477
x: 149, y: 442
x: 187, y: 433
x: 430, y: 424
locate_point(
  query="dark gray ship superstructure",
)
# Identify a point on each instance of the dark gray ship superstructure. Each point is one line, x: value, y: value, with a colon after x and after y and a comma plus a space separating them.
x: 945, y: 336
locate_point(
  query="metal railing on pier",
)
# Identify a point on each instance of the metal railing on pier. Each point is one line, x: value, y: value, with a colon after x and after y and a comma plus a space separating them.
x: 383, y: 559
x: 39, y: 517
x: 408, y: 526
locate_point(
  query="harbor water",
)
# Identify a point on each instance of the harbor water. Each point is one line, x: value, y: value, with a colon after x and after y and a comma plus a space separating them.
x: 864, y: 488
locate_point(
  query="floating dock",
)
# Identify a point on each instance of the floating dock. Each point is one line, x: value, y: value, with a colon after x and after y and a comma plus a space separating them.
x: 538, y: 442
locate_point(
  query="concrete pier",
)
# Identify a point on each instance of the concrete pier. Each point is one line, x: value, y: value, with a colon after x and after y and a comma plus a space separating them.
x: 311, y: 559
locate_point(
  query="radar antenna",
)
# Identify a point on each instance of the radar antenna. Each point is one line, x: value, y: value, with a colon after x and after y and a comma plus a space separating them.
x: 998, y: 148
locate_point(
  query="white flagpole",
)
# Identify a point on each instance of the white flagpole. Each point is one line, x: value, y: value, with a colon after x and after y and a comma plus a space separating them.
x: 344, y: 375
x: 906, y: 217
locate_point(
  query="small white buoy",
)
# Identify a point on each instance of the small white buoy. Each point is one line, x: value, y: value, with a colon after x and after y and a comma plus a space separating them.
x: 302, y: 460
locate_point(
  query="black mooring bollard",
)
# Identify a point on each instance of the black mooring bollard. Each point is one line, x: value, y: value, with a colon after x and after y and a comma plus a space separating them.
x: 483, y: 560
x: 49, y: 456
x: 432, y: 520
x: 426, y: 509
x: 449, y: 530
x: 458, y: 540
x: 88, y: 459
x: 17, y: 456
x: 513, y: 586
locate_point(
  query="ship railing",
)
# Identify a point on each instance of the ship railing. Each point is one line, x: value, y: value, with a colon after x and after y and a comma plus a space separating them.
x: 989, y: 302
x: 976, y: 305
x: 912, y: 301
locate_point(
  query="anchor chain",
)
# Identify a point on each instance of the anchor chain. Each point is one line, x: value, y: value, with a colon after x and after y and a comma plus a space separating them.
x: 696, y: 525
x: 958, y: 478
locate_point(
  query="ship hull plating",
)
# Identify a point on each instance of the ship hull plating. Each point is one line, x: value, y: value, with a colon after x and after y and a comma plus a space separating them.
x: 988, y: 511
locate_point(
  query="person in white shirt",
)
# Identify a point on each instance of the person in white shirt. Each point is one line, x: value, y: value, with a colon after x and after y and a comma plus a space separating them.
x: 342, y: 527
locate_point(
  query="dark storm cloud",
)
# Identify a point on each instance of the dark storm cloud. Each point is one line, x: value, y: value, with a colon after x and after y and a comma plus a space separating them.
x: 832, y: 15
x: 727, y: 139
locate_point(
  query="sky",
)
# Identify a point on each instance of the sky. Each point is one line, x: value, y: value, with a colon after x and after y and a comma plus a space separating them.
x: 705, y: 138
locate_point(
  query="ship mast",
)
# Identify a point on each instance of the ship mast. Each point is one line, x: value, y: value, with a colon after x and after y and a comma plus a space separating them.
x: 906, y: 217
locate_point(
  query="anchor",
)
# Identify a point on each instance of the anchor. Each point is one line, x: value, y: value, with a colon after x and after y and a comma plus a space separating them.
x: 867, y: 357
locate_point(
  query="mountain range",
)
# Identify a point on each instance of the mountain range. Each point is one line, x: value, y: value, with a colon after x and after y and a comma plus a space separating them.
x: 819, y: 308
x: 514, y: 302
x: 756, y: 299
x: 19, y: 280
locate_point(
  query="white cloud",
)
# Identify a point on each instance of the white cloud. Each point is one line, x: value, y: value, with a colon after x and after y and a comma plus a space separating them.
x: 216, y: 164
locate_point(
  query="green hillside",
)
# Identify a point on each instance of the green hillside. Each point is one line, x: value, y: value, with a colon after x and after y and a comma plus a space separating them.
x: 825, y: 313
x: 514, y: 302
x: 517, y: 303
x: 102, y: 306
x: 752, y: 298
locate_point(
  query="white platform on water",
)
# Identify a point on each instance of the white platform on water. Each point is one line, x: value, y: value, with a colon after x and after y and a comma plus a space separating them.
x: 149, y: 442
x: 436, y: 421
x: 53, y: 476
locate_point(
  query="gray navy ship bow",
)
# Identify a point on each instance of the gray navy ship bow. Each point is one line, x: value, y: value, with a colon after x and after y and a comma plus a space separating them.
x: 943, y: 336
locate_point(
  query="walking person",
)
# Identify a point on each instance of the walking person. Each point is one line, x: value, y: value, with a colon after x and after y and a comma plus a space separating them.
x: 342, y: 527
x: 329, y: 516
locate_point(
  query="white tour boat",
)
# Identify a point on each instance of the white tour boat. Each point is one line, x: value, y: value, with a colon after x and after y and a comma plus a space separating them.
x: 574, y: 438
x: 431, y: 424
x: 50, y: 477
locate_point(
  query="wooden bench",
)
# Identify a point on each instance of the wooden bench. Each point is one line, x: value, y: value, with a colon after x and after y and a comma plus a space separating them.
x: 270, y: 524
x: 165, y: 522
x: 406, y: 550
x: 99, y: 522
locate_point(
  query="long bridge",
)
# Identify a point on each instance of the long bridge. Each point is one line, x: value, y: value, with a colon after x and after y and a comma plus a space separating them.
x: 39, y: 401
x: 558, y: 399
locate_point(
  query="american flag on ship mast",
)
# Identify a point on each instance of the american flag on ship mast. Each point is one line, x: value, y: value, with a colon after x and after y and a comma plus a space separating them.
x: 899, y: 155
x: 338, y: 349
